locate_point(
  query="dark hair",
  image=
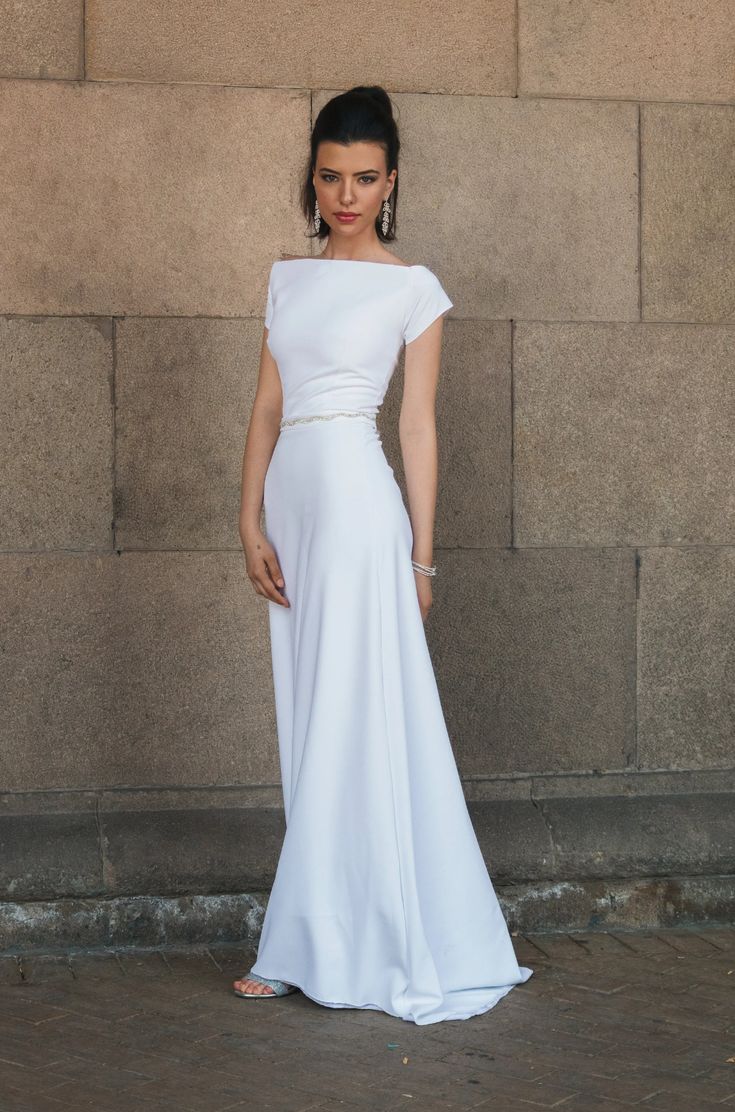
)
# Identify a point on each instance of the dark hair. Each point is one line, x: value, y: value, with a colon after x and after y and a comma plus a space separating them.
x: 364, y: 114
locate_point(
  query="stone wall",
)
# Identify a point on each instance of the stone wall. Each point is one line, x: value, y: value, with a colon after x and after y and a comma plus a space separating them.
x: 567, y: 172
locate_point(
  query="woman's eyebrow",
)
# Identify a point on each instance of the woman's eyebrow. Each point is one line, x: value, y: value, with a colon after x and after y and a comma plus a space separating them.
x: 327, y: 169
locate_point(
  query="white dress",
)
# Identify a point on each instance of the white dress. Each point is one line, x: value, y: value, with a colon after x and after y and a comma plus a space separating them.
x: 381, y: 898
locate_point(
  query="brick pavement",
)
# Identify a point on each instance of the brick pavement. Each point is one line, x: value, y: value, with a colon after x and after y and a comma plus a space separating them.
x: 608, y: 1021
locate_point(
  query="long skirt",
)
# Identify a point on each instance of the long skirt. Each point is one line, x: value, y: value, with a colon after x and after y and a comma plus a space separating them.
x: 381, y: 897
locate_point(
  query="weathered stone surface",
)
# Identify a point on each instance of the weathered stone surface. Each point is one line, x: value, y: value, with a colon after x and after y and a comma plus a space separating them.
x: 42, y: 38
x: 167, y: 200
x: 210, y: 850
x: 134, y: 669
x: 687, y: 201
x: 416, y: 45
x: 474, y: 435
x: 49, y: 846
x: 535, y: 658
x: 523, y: 208
x: 514, y: 839
x: 686, y: 693
x: 634, y: 903
x: 184, y: 392
x: 654, y: 51
x: 626, y: 836
x: 60, y: 665
x: 130, y: 920
x: 623, y: 434
x: 55, y: 434
x: 637, y: 903
x: 178, y: 841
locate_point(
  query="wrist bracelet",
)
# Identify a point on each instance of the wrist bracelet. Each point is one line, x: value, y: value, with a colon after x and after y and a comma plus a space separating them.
x: 423, y: 569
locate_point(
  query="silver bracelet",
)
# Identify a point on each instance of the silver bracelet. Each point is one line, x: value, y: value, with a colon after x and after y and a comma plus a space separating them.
x: 423, y: 569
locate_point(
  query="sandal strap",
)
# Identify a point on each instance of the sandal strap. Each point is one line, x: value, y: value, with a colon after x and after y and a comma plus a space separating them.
x: 277, y: 986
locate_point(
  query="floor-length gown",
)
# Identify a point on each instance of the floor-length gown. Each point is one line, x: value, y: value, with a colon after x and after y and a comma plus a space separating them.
x: 381, y: 897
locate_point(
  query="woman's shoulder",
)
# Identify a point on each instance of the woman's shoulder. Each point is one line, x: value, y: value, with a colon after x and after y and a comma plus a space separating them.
x: 390, y: 260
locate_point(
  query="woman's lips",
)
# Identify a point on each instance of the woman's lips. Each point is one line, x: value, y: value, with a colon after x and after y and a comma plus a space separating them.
x: 346, y: 217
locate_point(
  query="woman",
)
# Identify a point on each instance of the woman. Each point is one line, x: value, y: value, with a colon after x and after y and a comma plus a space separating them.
x: 381, y: 897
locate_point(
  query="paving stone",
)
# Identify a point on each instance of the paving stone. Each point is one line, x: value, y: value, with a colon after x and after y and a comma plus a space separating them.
x: 20, y: 1100
x: 670, y: 1082
x: 9, y: 971
x: 141, y: 965
x: 653, y: 946
x: 724, y: 940
x: 671, y: 1103
x: 25, y: 1079
x: 598, y: 943
x: 103, y: 966
x: 501, y: 1065
x: 686, y: 942
x: 45, y: 968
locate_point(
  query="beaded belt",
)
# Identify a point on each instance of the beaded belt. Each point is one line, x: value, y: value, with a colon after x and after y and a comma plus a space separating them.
x: 327, y: 417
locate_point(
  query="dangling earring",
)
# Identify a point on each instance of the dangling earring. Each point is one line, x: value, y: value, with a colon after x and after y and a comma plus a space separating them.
x: 317, y: 216
x: 386, y: 216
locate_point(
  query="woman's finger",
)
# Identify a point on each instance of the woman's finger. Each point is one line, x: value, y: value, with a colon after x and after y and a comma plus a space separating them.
x: 274, y: 570
x: 265, y: 586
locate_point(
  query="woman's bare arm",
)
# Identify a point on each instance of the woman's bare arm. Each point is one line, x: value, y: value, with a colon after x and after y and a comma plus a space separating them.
x: 261, y: 561
x: 417, y: 432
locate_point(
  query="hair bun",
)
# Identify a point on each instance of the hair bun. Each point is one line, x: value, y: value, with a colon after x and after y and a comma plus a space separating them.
x: 376, y: 93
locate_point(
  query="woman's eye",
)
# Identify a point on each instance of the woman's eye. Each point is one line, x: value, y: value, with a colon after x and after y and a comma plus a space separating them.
x: 365, y: 179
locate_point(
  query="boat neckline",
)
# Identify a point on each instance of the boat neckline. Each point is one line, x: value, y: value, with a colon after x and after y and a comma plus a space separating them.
x: 365, y: 262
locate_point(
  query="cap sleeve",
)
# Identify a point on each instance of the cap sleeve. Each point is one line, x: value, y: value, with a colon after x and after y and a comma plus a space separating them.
x: 428, y: 301
x: 269, y: 302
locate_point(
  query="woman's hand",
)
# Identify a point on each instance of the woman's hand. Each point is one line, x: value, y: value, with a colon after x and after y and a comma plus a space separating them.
x: 263, y: 569
x: 423, y: 589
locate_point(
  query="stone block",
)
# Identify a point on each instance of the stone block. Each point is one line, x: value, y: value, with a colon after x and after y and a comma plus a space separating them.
x: 638, y: 835
x: 686, y: 693
x: 627, y: 50
x: 409, y: 46
x: 42, y: 38
x: 206, y: 850
x: 55, y: 434
x: 534, y: 653
x: 687, y: 224
x: 629, y: 904
x: 134, y: 669
x: 623, y: 434
x: 184, y: 394
x: 473, y: 419
x: 153, y: 200
x: 514, y: 839
x: 72, y: 925
x: 49, y: 846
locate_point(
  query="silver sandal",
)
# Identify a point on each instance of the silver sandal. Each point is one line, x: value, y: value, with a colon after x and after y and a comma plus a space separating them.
x: 280, y: 988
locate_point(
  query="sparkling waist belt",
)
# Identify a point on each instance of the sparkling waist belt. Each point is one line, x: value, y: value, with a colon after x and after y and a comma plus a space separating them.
x: 367, y: 413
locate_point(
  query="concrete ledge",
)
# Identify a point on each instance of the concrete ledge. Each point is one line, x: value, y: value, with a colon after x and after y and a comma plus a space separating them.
x: 178, y: 842
x: 150, y: 921
x: 129, y: 921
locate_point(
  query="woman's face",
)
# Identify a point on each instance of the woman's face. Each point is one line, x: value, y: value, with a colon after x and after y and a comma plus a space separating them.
x: 351, y: 179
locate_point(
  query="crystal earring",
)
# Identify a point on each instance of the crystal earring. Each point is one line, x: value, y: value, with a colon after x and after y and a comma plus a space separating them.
x: 317, y: 216
x: 386, y: 216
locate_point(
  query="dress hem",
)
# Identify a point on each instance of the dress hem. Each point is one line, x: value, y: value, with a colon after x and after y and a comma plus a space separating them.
x: 423, y: 1020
